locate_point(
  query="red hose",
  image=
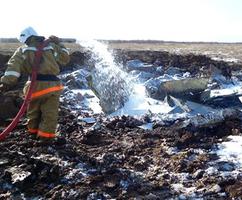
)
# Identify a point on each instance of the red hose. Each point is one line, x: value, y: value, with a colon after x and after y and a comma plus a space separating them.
x: 13, y: 124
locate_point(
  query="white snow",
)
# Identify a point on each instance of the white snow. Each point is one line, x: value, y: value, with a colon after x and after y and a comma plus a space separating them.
x: 186, y: 191
x: 88, y: 120
x: 230, y: 90
x: 231, y: 151
x: 92, y: 102
x: 148, y: 126
x: 211, y: 171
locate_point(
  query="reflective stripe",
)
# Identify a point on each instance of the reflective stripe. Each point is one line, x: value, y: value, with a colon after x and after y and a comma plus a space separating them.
x: 46, y: 135
x: 29, y: 49
x: 32, y: 131
x: 46, y: 91
x: 35, y: 49
x: 65, y: 50
x: 48, y: 48
x: 12, y: 73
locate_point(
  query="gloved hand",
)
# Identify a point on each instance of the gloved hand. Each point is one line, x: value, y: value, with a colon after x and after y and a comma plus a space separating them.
x: 4, y: 87
x: 54, y: 39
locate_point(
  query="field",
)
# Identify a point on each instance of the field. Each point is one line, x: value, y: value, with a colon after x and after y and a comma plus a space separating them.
x: 225, y: 51
x: 125, y: 157
x: 228, y: 51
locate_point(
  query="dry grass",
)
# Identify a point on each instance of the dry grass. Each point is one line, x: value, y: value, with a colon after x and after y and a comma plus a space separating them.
x: 8, y: 48
x: 226, y: 51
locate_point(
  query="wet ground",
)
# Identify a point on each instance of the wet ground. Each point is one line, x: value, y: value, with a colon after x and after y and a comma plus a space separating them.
x: 112, y: 158
x: 117, y: 160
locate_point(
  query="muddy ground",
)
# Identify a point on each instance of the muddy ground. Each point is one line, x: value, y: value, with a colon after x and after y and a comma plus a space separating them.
x: 114, y: 159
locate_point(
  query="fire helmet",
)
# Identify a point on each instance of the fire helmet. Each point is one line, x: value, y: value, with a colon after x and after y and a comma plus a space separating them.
x: 26, y: 33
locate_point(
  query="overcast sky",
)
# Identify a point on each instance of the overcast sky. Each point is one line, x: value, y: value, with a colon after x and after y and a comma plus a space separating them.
x: 176, y: 20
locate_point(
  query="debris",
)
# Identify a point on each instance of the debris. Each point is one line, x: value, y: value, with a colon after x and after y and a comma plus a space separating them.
x: 88, y: 120
x: 17, y: 174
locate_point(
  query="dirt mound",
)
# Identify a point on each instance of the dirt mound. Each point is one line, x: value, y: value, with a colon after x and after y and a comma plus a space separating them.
x: 10, y: 105
x: 3, y: 59
x: 195, y: 64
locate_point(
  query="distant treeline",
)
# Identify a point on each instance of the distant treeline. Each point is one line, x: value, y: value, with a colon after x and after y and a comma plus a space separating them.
x: 15, y: 40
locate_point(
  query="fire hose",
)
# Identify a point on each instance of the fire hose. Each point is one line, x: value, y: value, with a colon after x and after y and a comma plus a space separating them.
x: 27, y: 99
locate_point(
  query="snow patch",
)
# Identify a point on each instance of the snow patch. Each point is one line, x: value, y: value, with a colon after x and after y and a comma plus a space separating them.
x: 231, y: 151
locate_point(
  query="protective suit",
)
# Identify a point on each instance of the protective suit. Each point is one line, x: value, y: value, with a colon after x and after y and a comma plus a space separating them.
x: 42, y: 113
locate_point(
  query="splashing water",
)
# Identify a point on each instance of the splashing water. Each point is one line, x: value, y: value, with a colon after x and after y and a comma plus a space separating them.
x: 140, y: 104
x: 119, y: 93
x: 111, y: 84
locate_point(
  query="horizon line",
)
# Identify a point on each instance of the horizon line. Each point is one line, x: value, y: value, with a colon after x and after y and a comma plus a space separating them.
x: 74, y: 40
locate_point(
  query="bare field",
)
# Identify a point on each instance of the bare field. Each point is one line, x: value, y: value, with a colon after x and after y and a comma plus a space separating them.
x: 225, y: 51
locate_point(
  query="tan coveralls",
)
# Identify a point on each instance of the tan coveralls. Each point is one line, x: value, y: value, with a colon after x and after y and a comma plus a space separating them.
x: 42, y: 112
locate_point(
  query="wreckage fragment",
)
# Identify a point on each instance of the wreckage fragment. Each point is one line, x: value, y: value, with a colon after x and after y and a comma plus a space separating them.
x: 213, y: 118
x: 222, y: 98
x: 184, y: 88
x: 185, y: 85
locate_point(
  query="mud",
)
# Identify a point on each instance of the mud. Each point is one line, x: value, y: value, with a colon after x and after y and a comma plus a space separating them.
x: 117, y: 161
x: 114, y: 159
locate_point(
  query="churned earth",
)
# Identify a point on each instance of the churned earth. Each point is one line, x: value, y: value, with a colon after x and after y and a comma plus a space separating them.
x: 98, y: 156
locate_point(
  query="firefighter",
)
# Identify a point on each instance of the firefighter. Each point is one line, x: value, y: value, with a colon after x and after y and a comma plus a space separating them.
x: 42, y: 112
